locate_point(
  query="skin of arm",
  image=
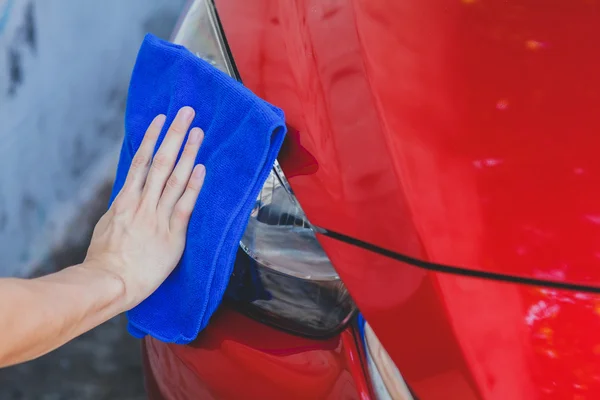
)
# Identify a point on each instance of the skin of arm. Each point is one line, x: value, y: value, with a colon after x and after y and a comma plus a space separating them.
x: 135, y: 246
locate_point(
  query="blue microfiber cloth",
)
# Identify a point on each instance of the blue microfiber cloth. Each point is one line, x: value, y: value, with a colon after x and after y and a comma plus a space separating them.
x: 243, y: 135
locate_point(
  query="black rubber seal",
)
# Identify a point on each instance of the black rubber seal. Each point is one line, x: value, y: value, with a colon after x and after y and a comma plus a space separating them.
x: 449, y: 269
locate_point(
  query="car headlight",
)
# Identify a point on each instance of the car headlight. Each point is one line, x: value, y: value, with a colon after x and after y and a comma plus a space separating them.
x: 282, y: 275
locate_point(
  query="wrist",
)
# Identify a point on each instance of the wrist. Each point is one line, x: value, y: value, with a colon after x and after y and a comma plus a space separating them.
x: 111, y: 283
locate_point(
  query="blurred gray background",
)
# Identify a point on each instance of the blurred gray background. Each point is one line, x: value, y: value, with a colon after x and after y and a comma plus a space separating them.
x: 64, y: 72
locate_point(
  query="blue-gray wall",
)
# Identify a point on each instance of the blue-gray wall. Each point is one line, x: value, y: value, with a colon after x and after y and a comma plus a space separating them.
x: 64, y: 71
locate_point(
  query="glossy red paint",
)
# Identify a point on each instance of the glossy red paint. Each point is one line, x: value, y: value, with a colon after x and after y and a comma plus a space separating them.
x: 239, y: 358
x: 454, y: 337
x: 461, y: 133
x: 356, y: 362
x: 458, y: 132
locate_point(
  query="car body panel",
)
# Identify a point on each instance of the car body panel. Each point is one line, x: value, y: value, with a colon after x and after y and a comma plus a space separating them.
x: 236, y: 357
x: 461, y: 133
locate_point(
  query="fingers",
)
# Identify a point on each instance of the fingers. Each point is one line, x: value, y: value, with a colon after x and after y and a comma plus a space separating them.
x: 164, y: 160
x: 140, y: 164
x: 176, y: 184
x: 185, y: 205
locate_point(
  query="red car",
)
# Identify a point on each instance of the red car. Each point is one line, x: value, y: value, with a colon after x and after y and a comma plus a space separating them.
x: 441, y: 176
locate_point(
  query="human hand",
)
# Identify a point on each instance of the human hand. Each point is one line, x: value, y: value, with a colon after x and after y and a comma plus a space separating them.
x: 141, y: 237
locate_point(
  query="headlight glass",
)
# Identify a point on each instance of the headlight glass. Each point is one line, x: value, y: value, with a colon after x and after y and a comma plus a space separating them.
x: 199, y: 31
x: 280, y: 237
x: 282, y: 275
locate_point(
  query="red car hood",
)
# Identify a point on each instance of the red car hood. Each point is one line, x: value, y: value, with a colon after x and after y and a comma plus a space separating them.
x: 447, y: 134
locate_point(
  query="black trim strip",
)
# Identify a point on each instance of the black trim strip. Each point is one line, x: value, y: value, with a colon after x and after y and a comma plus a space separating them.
x: 448, y: 269
x: 225, y: 43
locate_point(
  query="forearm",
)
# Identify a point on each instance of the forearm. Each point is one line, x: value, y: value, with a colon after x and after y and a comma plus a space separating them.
x: 39, y: 315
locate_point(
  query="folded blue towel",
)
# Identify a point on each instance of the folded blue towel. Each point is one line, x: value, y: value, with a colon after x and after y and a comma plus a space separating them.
x: 243, y: 135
